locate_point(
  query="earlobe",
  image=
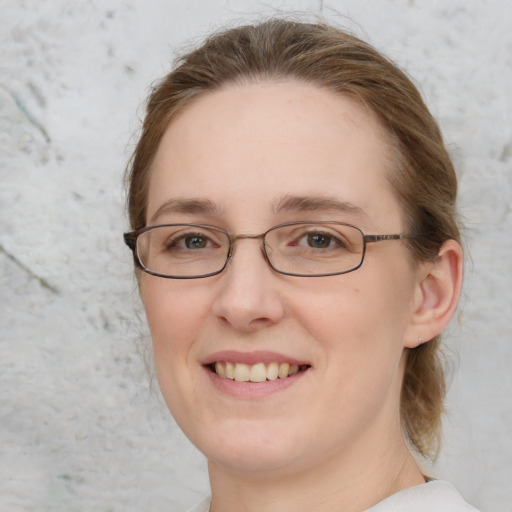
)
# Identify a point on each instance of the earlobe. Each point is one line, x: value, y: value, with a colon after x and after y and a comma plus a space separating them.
x: 436, y: 295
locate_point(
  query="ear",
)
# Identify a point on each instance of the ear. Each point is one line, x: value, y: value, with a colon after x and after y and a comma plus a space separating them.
x: 436, y: 294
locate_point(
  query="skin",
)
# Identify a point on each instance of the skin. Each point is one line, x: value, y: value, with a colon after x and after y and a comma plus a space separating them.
x: 332, y: 440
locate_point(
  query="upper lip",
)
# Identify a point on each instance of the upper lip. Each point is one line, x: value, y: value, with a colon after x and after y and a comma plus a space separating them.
x: 250, y: 358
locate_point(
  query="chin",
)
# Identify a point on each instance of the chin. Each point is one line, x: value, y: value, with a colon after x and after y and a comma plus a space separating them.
x: 251, y: 446
x: 256, y: 460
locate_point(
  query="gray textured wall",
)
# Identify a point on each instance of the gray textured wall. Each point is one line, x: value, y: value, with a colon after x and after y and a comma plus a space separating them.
x: 80, y: 427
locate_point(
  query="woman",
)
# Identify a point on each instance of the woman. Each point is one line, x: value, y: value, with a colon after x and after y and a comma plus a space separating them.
x: 298, y: 255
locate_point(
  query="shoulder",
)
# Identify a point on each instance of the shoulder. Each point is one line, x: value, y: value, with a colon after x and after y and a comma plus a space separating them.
x: 202, y: 506
x: 434, y: 496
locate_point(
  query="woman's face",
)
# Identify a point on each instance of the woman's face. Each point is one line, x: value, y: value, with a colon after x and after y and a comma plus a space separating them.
x: 246, y: 159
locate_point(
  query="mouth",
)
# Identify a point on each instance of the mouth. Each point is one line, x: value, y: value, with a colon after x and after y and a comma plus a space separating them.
x: 259, y: 372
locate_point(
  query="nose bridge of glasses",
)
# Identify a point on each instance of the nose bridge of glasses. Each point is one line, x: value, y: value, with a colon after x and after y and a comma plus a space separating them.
x: 234, y: 238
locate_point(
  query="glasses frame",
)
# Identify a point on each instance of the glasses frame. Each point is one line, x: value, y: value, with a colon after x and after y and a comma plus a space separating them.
x: 130, y: 239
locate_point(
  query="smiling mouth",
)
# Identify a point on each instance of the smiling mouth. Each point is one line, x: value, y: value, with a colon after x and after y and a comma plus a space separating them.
x: 259, y: 372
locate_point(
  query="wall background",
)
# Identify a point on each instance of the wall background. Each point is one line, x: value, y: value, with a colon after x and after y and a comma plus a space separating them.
x: 80, y: 427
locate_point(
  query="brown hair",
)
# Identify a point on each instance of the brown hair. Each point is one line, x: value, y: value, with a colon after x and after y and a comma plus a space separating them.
x: 423, y: 177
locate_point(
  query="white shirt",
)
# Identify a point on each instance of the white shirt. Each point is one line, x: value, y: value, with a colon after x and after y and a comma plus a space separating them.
x: 434, y: 496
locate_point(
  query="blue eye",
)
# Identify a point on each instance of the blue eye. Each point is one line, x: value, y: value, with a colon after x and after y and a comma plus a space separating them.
x: 319, y: 240
x: 189, y: 241
x: 323, y: 240
x: 195, y: 242
x: 315, y: 239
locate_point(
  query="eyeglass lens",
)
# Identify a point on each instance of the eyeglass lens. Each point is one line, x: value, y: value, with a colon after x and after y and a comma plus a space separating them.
x: 298, y: 249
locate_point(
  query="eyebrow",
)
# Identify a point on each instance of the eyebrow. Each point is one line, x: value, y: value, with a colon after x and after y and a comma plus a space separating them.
x: 315, y: 204
x: 285, y: 204
x: 193, y: 206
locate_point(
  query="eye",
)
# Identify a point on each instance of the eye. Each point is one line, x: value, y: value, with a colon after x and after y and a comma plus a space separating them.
x: 195, y: 242
x: 319, y: 240
x: 191, y: 241
x: 314, y: 238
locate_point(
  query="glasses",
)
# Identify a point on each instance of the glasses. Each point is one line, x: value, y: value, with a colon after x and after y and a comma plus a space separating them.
x: 302, y: 249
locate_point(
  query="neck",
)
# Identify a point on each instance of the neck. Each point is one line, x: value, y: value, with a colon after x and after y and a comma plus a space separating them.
x: 343, y: 481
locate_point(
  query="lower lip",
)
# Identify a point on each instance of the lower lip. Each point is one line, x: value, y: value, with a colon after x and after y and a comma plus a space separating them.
x: 253, y: 389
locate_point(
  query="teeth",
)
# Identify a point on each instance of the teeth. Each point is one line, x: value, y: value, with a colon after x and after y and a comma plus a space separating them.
x: 230, y: 370
x: 220, y: 370
x: 242, y: 372
x: 258, y: 373
x: 284, y: 368
x: 272, y: 371
x: 294, y: 368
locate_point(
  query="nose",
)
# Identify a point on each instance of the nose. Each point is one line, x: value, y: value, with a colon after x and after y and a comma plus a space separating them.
x: 248, y: 298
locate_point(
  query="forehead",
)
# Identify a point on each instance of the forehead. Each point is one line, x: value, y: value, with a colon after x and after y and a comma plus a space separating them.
x: 245, y: 147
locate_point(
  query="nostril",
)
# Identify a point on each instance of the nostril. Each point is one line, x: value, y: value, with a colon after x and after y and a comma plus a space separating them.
x: 260, y: 323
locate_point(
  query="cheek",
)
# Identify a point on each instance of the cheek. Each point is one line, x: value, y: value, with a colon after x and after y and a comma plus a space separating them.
x: 173, y: 319
x: 361, y: 331
x: 171, y: 310
x: 353, y: 312
x: 361, y: 320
